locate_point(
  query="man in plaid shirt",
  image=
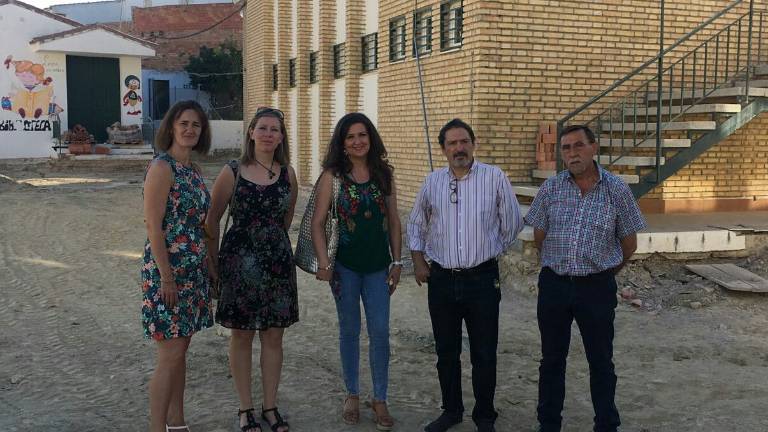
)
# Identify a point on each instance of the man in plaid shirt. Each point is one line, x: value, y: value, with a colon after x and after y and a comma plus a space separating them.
x: 585, y: 222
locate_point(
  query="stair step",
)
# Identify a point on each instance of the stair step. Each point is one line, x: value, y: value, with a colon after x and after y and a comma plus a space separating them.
x: 761, y: 70
x: 723, y: 92
x: 525, y: 190
x: 670, y: 126
x: 649, y: 143
x: 628, y: 160
x: 689, y: 109
x: 544, y: 174
x: 131, y: 151
x: 752, y: 83
x: 524, y: 209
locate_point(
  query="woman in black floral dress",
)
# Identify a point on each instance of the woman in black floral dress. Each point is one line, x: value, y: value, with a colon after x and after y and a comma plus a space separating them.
x: 255, y: 263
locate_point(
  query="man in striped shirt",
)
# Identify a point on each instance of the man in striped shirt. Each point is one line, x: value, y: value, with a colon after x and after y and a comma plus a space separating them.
x: 585, y: 221
x: 464, y: 217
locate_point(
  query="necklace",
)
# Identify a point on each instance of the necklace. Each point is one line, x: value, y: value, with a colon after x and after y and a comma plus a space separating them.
x: 271, y: 174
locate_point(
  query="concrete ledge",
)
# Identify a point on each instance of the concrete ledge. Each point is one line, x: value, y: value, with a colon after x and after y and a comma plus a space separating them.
x: 689, y: 241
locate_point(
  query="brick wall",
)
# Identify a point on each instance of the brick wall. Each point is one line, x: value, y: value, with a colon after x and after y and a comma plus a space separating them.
x: 521, y: 63
x: 156, y: 23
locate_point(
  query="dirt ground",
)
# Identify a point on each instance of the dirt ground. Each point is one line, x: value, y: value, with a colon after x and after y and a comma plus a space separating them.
x: 689, y: 355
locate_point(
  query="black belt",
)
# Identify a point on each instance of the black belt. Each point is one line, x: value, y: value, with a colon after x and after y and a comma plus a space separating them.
x: 491, y: 264
x: 572, y: 278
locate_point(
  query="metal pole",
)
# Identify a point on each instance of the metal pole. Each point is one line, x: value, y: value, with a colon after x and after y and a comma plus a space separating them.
x: 659, y: 102
x: 421, y: 91
x: 749, y: 52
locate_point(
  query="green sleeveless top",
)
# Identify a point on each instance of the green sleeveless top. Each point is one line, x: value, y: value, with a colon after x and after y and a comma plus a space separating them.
x: 363, y: 227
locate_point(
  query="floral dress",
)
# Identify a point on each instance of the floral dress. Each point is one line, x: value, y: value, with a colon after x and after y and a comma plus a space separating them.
x: 183, y: 229
x: 256, y: 264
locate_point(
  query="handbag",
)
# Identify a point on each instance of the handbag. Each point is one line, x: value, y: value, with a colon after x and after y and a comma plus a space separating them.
x: 305, y: 252
x: 216, y: 286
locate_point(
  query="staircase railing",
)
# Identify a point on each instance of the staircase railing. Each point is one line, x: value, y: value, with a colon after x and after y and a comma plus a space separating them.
x: 671, y: 91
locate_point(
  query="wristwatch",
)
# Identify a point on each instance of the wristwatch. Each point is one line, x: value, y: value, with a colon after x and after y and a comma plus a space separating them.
x: 396, y: 263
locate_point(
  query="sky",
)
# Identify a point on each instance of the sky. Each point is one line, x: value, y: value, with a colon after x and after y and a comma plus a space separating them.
x: 42, y: 4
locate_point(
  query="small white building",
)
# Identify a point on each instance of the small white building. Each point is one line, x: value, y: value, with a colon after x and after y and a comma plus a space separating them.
x: 56, y: 67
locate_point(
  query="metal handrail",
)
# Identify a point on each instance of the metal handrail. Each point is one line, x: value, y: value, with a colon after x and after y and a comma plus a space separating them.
x: 652, y: 60
x: 705, y: 90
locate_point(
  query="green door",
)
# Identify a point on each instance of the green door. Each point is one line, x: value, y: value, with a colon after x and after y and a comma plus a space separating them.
x: 93, y: 93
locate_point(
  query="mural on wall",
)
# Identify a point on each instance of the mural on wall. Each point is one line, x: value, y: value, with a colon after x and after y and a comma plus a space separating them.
x: 29, y: 97
x: 132, y: 98
x: 31, y: 91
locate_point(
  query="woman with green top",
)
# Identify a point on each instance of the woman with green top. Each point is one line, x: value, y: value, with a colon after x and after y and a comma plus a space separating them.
x: 369, y: 240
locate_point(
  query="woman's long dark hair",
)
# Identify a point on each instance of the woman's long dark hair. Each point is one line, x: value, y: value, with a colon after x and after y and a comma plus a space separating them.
x: 339, y: 163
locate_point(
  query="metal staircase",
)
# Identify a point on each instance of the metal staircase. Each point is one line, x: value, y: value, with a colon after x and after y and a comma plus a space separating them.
x: 671, y: 109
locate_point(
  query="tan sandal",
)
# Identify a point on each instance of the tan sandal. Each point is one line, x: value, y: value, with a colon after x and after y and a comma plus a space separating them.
x: 351, y: 416
x: 384, y: 421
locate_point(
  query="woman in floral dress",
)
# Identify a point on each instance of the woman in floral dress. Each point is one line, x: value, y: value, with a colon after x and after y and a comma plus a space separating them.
x: 369, y: 240
x: 255, y: 263
x: 174, y: 275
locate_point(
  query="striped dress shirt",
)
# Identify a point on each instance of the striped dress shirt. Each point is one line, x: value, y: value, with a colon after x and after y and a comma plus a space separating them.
x: 482, y: 223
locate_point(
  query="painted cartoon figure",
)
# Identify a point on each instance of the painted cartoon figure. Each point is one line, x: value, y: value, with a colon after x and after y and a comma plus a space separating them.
x: 33, y: 90
x: 132, y: 98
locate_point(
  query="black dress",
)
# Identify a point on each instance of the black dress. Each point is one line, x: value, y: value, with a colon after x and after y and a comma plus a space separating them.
x: 256, y: 261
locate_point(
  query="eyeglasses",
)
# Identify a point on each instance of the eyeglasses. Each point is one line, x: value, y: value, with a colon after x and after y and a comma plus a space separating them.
x: 454, y: 186
x: 268, y: 110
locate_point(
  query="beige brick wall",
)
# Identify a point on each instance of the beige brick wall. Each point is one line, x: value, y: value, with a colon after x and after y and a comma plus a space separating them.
x: 522, y: 62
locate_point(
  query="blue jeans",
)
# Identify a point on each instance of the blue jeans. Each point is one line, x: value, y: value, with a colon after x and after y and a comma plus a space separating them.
x: 348, y: 288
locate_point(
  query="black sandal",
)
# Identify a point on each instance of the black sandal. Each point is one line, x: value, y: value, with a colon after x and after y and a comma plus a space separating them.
x: 279, y: 422
x: 251, y: 420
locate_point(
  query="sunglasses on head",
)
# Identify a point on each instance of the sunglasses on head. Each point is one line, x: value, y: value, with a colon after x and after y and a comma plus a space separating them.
x: 269, y: 110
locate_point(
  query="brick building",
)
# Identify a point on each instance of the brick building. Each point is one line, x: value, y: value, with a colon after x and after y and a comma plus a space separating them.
x: 507, y: 67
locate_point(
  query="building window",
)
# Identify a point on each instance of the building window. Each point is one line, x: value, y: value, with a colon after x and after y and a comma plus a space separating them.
x: 339, y: 58
x: 451, y: 24
x: 313, y: 67
x: 397, y: 39
x: 422, y: 31
x: 274, y: 77
x: 292, y: 72
x: 370, y: 45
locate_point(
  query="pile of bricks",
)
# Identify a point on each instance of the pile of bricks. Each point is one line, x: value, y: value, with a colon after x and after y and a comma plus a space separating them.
x: 546, y: 140
x: 78, y: 140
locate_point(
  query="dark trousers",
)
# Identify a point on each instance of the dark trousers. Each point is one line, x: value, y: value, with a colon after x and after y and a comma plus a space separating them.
x: 591, y: 301
x: 472, y: 296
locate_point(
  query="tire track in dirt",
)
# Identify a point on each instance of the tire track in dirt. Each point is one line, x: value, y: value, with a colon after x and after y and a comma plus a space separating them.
x: 47, y: 280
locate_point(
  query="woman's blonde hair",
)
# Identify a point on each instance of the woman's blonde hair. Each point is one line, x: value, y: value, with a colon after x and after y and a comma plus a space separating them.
x: 282, y: 155
x: 164, y: 136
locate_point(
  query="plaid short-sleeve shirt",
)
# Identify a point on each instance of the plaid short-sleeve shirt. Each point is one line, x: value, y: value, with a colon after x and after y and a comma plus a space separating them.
x: 584, y: 232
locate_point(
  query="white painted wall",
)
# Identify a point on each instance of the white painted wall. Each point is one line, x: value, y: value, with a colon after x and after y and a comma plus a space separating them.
x: 315, y: 133
x: 17, y: 27
x: 294, y: 28
x: 369, y: 95
x: 130, y: 66
x: 293, y: 131
x: 341, y: 21
x: 339, y: 103
x: 371, y: 13
x: 226, y: 135
x: 315, y: 41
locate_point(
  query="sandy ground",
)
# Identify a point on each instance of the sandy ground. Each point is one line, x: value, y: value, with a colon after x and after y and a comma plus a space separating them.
x: 72, y: 357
